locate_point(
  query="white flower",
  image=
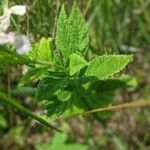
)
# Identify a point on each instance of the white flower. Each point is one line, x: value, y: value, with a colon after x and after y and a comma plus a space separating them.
x: 18, y: 10
x: 21, y: 42
x: 5, y: 18
x: 3, y: 38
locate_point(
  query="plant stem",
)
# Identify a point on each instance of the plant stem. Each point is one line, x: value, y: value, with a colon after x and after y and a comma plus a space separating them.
x: 10, y: 109
x: 29, y: 62
x: 13, y: 102
x: 87, y: 8
x: 140, y: 103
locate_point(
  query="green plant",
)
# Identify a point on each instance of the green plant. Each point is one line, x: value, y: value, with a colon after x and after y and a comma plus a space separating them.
x: 59, y: 141
x: 70, y: 81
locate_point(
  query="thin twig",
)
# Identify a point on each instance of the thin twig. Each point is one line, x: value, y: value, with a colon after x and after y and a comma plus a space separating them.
x: 140, y: 103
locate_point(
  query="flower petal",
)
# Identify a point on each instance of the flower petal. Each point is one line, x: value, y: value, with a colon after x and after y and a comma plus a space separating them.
x: 5, y: 20
x: 4, y: 24
x: 11, y: 37
x: 3, y: 39
x: 22, y: 44
x: 18, y: 10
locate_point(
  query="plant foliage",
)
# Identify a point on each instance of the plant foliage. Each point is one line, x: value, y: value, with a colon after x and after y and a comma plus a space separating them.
x: 69, y: 81
x: 59, y: 142
x: 77, y: 87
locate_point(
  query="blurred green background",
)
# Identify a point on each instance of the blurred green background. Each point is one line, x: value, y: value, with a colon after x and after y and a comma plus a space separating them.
x: 115, y: 26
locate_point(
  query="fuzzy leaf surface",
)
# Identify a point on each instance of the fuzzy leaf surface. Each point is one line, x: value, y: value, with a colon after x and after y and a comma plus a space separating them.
x: 65, y: 35
x: 105, y: 66
x: 79, y: 24
x: 76, y: 63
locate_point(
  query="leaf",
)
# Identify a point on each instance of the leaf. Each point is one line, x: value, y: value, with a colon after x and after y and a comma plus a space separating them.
x: 85, y: 100
x: 45, y: 51
x: 10, y: 57
x: 33, y: 53
x: 65, y: 35
x: 63, y: 95
x: 98, y: 94
x: 60, y: 142
x: 42, y: 51
x: 97, y: 100
x: 78, y: 22
x: 48, y: 86
x: 76, y: 105
x: 113, y: 84
x: 107, y: 65
x: 72, y: 33
x: 32, y: 74
x: 76, y: 63
x: 55, y: 108
x: 129, y: 81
